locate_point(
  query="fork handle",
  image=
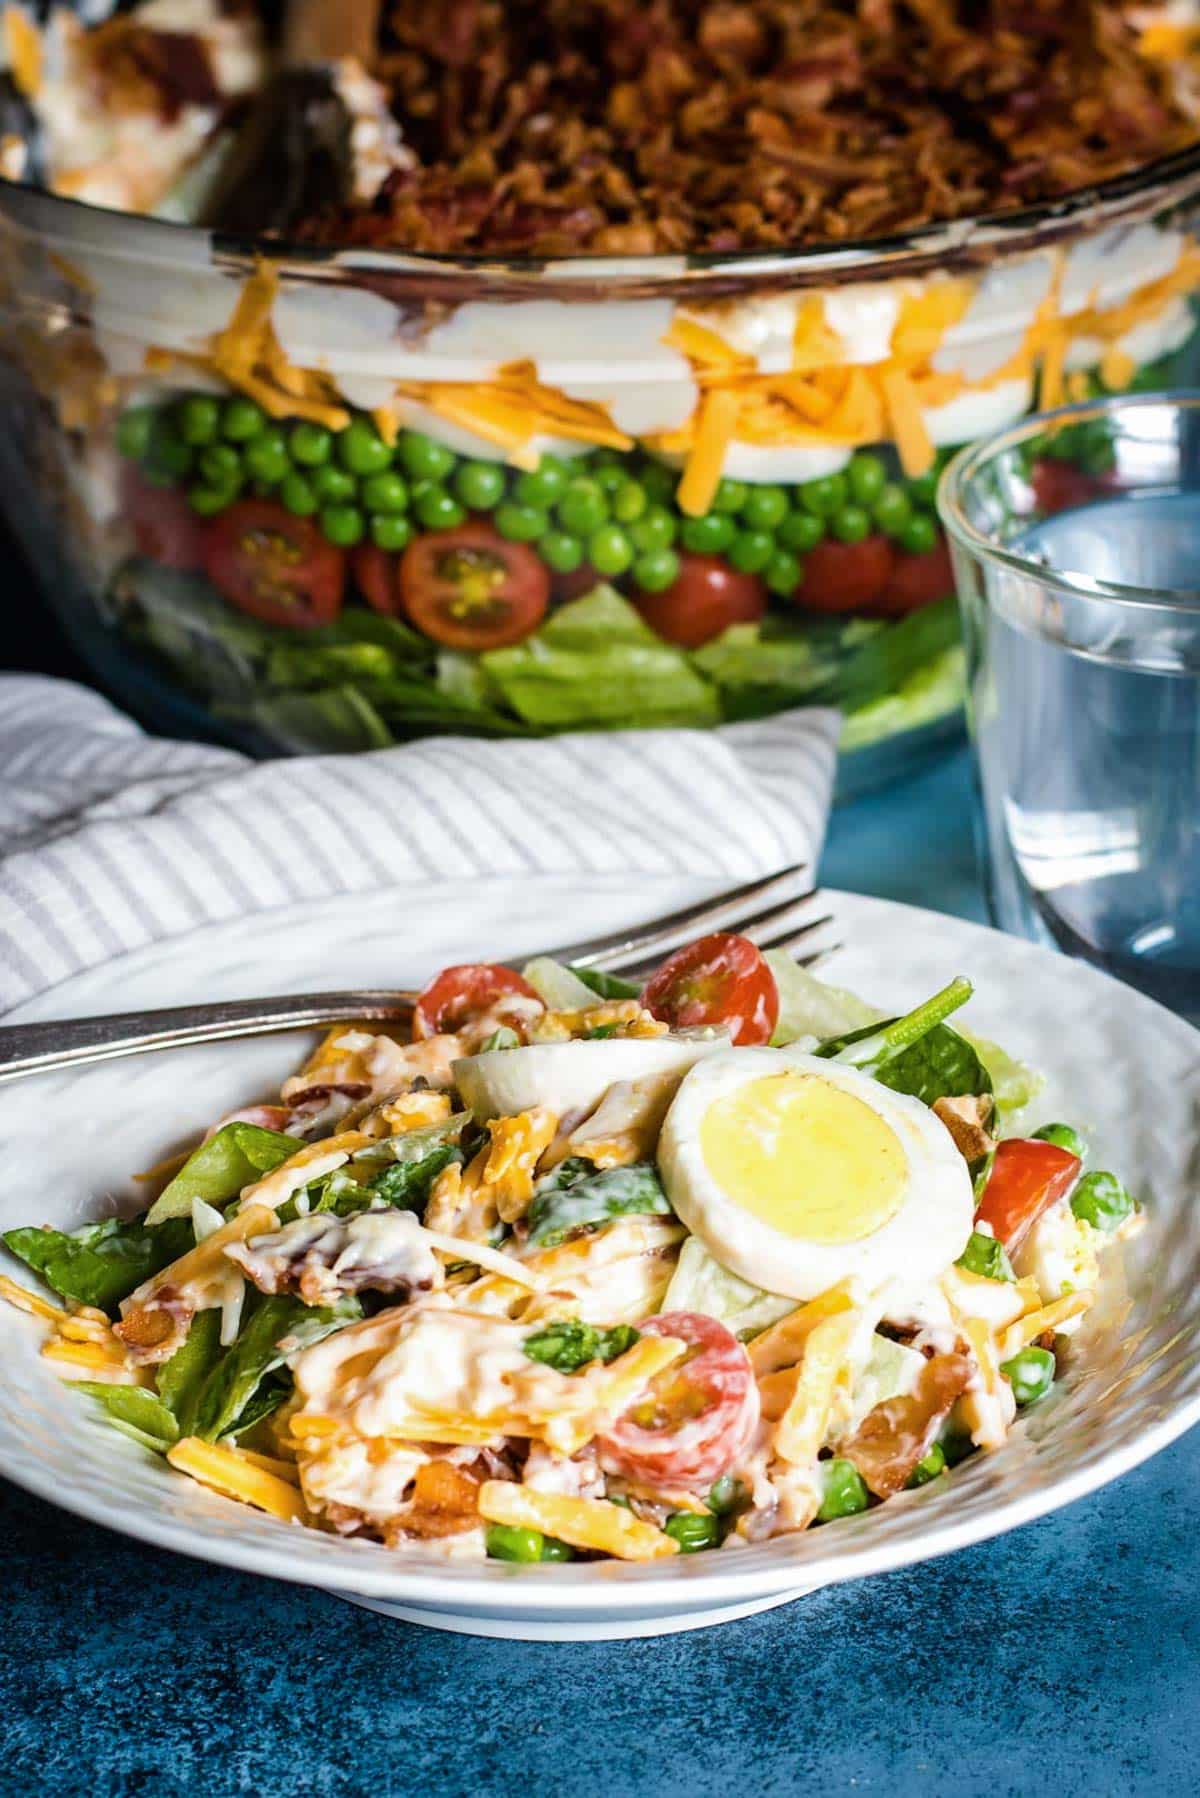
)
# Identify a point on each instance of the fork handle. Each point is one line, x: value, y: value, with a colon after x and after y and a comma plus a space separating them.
x: 41, y: 1048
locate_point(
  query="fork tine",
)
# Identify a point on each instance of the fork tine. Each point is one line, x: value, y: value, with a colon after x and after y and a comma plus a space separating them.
x: 780, y: 927
x: 652, y: 939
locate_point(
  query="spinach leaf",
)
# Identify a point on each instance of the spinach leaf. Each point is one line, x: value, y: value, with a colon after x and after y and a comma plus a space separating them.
x: 275, y: 1389
x: 181, y: 1379
x: 919, y: 1053
x: 148, y: 1419
x: 406, y: 1184
x: 220, y: 1167
x: 570, y: 1343
x: 101, y: 1264
x: 596, y: 1199
x: 608, y: 986
x: 236, y: 1377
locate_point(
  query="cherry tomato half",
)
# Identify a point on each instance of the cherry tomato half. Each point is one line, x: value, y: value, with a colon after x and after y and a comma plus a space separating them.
x: 719, y: 979
x: 706, y: 596
x: 471, y: 589
x: 697, y: 1416
x: 845, y: 577
x: 1027, y: 1177
x: 377, y: 574
x: 275, y: 566
x: 457, y: 996
x: 165, y: 529
x: 916, y: 581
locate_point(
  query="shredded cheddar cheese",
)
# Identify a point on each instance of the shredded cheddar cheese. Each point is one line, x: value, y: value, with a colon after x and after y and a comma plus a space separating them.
x: 583, y: 1522
x: 235, y: 1476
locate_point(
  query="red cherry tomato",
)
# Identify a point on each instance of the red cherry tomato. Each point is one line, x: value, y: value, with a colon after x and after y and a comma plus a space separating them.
x: 581, y: 580
x: 275, y: 566
x: 705, y: 598
x: 471, y: 589
x: 696, y: 1417
x: 916, y: 581
x: 1027, y: 1177
x: 377, y: 574
x: 719, y: 979
x: 845, y: 577
x: 457, y: 996
x: 1057, y: 486
x: 165, y: 529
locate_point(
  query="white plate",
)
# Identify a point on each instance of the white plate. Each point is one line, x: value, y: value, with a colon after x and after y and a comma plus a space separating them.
x: 1125, y: 1070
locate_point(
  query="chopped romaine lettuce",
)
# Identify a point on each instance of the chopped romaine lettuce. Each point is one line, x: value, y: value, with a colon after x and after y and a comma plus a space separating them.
x: 143, y: 1414
x: 700, y: 1283
x: 809, y: 1007
x: 101, y: 1264
x: 596, y: 1198
x: 557, y: 987
x: 216, y: 1172
x: 180, y: 1380
x: 277, y: 1326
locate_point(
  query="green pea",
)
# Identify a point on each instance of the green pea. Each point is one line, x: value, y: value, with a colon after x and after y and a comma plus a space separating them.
x: 208, y: 501
x: 866, y: 477
x: 824, y: 496
x: 659, y: 481
x: 296, y: 494
x: 554, y: 1550
x: 241, y: 419
x: 1064, y: 1136
x: 343, y: 525
x: 726, y: 1496
x: 266, y: 457
x: 923, y: 488
x: 919, y: 535
x: 730, y: 496
x: 693, y: 1531
x: 655, y: 529
x: 386, y: 492
x: 655, y: 571
x: 708, y: 535
x: 560, y: 551
x: 311, y: 445
x: 783, y: 573
x: 332, y: 485
x: 801, y: 532
x: 479, y: 485
x: 765, y: 508
x: 220, y: 465
x: 542, y: 485
x: 133, y: 431
x: 629, y: 501
x: 520, y: 524
x: 198, y: 419
x: 361, y: 448
x: 167, y: 453
x: 609, y: 476
x: 892, y: 508
x: 423, y: 457
x: 583, y: 507
x: 985, y: 1256
x: 750, y: 551
x: 1101, y: 1200
x: 389, y: 530
x: 845, y: 1493
x: 436, y: 509
x: 505, y: 1542
x: 851, y: 524
x: 1030, y: 1374
x: 929, y: 1467
x: 609, y: 550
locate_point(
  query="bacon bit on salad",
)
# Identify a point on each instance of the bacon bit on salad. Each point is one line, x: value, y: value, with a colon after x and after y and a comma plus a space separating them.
x: 625, y: 127
x: 445, y: 1502
x: 894, y: 1436
x: 967, y: 1119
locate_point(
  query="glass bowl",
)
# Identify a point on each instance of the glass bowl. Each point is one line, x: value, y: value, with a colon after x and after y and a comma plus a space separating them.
x: 305, y: 499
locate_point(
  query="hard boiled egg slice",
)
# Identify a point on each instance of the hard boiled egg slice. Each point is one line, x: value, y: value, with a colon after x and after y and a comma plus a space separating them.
x: 798, y: 1173
x: 574, y: 1076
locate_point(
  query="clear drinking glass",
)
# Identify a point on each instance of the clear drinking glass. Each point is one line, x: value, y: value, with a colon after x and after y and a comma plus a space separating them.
x: 1076, y: 543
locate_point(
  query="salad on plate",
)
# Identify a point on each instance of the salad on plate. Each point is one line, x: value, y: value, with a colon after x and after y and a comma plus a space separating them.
x: 579, y: 1269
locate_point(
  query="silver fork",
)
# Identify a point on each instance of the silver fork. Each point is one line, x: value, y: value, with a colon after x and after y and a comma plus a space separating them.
x: 775, y: 912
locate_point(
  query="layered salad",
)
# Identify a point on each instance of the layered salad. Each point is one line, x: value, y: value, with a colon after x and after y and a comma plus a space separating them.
x: 513, y: 427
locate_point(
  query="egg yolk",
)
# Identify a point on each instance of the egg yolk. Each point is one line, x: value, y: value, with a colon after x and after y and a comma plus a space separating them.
x: 805, y: 1157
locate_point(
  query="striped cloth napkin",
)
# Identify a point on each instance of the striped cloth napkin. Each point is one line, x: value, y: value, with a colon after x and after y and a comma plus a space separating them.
x: 111, y: 839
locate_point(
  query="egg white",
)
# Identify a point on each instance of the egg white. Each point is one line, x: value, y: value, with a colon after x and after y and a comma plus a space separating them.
x: 572, y: 1077
x: 925, y: 1234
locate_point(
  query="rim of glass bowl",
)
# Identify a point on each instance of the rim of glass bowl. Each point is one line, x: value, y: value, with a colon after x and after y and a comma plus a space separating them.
x: 970, y: 463
x: 972, y: 242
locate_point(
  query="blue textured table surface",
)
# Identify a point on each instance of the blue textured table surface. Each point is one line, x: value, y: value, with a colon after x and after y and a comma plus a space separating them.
x: 1063, y: 1659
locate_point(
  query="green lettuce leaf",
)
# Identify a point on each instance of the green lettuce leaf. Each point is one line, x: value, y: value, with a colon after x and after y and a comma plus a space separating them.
x: 558, y: 1209
x: 147, y: 1419
x: 238, y: 1374
x: 217, y: 1171
x: 101, y: 1264
x: 1014, y: 1083
x: 700, y: 1283
x: 180, y: 1380
x: 811, y: 1007
x: 595, y: 662
x: 934, y: 691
